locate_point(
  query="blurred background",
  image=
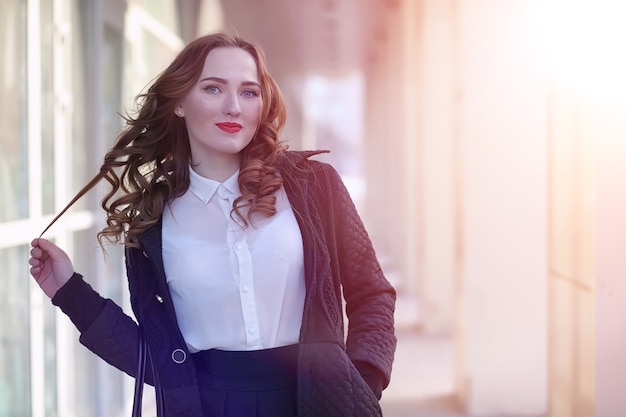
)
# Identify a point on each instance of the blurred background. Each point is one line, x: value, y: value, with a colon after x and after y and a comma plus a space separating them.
x: 484, y: 142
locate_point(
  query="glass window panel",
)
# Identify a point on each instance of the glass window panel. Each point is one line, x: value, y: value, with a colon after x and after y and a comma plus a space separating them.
x: 112, y: 84
x: 86, y: 402
x: 47, y: 104
x: 14, y: 340
x: 13, y: 134
x: 50, y: 360
x: 85, y: 362
x: 102, y: 382
x: 156, y: 56
x: 166, y: 11
x: 81, y: 169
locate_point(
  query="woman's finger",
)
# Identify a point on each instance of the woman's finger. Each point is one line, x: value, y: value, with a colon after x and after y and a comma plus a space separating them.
x: 39, y: 253
x: 37, y: 263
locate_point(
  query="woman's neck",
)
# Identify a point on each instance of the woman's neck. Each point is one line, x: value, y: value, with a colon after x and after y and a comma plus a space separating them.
x: 217, y: 169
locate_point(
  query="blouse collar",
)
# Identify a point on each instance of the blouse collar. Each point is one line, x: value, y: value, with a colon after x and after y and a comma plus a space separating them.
x: 205, y: 188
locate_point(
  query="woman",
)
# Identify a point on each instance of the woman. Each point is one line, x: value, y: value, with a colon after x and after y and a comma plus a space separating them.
x: 238, y: 253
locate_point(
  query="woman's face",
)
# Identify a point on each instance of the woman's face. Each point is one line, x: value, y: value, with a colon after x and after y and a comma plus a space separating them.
x: 223, y: 109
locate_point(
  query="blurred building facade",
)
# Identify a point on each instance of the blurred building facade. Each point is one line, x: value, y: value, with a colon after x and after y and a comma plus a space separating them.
x: 68, y: 67
x: 493, y: 187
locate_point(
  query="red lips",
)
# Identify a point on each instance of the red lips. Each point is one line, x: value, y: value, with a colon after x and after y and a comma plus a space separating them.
x: 229, y: 127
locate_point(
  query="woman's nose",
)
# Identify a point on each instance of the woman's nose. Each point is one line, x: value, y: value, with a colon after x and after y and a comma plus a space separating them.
x: 231, y: 105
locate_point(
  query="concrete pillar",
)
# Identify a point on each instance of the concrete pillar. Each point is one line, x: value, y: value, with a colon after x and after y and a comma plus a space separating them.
x: 502, y: 321
x: 587, y: 256
x: 587, y: 205
x: 571, y: 258
x: 388, y: 201
x: 434, y: 62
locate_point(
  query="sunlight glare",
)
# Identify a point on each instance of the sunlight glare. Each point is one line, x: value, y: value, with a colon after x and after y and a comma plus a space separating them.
x: 585, y: 46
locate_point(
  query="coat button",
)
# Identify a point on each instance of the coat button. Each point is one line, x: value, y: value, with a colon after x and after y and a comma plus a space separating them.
x: 159, y: 298
x: 145, y: 254
x: 179, y: 356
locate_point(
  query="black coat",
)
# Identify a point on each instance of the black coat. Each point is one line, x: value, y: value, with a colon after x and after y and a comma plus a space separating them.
x: 338, y: 376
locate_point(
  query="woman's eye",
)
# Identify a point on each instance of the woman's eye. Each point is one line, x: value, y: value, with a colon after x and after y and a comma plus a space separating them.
x: 249, y: 93
x: 212, y: 89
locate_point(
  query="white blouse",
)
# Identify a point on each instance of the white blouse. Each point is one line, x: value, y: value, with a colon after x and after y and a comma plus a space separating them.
x: 232, y: 288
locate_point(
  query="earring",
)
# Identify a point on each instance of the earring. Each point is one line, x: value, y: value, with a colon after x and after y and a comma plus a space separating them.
x: 179, y: 112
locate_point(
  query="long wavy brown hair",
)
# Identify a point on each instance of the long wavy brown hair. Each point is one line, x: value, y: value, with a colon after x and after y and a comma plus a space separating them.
x: 149, y: 163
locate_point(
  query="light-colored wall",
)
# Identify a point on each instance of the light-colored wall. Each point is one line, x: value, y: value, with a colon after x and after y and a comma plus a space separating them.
x: 610, y: 238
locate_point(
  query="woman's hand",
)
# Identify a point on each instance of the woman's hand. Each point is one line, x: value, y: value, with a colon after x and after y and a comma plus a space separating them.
x: 50, y: 266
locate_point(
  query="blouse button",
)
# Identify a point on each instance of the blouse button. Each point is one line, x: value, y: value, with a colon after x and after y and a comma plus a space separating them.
x: 245, y: 288
x: 179, y: 356
x: 252, y: 330
x: 223, y: 194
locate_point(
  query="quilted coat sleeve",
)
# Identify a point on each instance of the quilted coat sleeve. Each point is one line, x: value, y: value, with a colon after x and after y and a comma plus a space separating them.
x: 105, y: 329
x: 370, y: 298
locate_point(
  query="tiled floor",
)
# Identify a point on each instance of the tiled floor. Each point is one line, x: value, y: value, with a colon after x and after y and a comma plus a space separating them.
x: 422, y: 382
x: 431, y: 407
x: 422, y: 379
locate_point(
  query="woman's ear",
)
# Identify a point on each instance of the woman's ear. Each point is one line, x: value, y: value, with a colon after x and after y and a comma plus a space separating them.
x: 179, y: 111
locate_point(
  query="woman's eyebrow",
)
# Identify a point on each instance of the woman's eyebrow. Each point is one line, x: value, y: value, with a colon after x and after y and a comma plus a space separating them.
x: 225, y: 81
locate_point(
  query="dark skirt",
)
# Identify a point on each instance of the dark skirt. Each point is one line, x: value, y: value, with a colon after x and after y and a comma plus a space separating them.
x: 259, y: 383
